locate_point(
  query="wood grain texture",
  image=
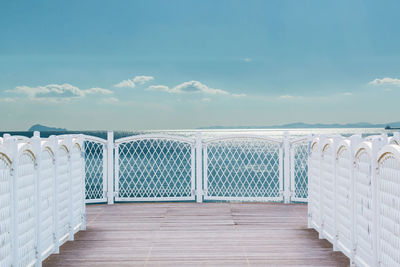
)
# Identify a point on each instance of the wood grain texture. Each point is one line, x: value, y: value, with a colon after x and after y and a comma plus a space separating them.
x: 197, y: 234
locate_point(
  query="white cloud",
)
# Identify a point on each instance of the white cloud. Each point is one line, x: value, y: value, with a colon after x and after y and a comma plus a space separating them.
x: 286, y: 97
x: 347, y: 93
x: 8, y: 99
x: 239, y: 95
x: 143, y: 79
x: 162, y: 88
x: 386, y: 81
x: 97, y: 90
x: 131, y: 83
x: 206, y: 99
x: 125, y: 83
x: 247, y: 59
x: 56, y: 92
x: 110, y: 100
x: 191, y: 87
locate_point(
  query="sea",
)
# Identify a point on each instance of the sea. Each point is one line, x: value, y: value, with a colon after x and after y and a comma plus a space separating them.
x: 208, y: 133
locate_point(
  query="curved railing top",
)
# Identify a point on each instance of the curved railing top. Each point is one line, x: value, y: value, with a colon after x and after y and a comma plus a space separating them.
x: 4, y: 154
x: 241, y: 136
x: 94, y: 139
x: 326, y: 143
x: 190, y: 141
x: 393, y: 150
x: 344, y: 144
x: 26, y: 147
x: 300, y: 140
x: 363, y: 146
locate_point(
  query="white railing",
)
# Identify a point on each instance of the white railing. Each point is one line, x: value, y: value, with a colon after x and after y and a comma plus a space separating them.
x: 354, y: 197
x: 42, y: 196
x: 166, y: 167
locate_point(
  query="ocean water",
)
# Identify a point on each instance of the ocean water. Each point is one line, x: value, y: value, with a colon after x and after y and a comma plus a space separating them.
x: 162, y: 169
x: 274, y: 133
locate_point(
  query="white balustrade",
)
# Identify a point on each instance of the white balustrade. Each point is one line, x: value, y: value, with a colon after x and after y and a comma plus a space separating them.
x: 354, y: 197
x: 42, y: 196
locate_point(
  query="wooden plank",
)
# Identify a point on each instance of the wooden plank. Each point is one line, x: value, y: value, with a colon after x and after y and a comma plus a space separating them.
x: 193, y: 234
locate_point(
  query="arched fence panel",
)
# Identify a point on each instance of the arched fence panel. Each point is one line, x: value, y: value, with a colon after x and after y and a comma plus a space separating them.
x: 63, y: 192
x: 95, y: 152
x: 388, y: 202
x: 243, y: 168
x: 327, y: 190
x: 314, y: 174
x: 366, y: 199
x: 38, y: 197
x: 343, y: 197
x: 154, y: 168
x: 6, y: 210
x: 363, y: 205
x: 47, y: 205
x: 25, y: 215
x: 77, y: 186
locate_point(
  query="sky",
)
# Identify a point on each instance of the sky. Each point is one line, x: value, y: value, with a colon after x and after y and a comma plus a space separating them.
x: 156, y: 64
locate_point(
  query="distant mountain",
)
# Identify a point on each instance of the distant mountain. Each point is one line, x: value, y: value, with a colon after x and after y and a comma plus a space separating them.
x: 42, y: 128
x: 312, y: 125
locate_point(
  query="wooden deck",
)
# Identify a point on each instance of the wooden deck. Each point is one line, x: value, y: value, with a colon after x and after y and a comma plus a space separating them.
x: 191, y: 234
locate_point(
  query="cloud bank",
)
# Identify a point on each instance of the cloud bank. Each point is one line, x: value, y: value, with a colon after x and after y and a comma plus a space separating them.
x: 53, y: 92
x: 386, y: 81
x: 192, y: 87
x: 131, y: 83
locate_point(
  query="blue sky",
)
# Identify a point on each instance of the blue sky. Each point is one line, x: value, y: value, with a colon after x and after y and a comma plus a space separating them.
x: 130, y: 65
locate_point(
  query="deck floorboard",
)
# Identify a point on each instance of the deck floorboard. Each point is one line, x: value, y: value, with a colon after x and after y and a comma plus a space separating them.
x: 192, y: 234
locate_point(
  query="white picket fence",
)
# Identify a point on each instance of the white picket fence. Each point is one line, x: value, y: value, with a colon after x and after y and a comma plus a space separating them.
x: 42, y: 197
x: 354, y: 196
x: 154, y: 167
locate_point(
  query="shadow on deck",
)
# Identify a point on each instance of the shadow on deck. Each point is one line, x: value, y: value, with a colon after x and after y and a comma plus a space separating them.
x: 191, y: 234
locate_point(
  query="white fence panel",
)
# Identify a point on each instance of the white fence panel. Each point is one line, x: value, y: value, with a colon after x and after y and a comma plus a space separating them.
x: 299, y: 150
x: 364, y: 207
x: 343, y: 196
x: 327, y: 190
x: 154, y: 168
x: 37, y: 190
x: 95, y: 150
x: 6, y: 210
x: 25, y: 210
x: 63, y: 193
x: 388, y: 183
x: 314, y: 187
x: 77, y: 189
x: 245, y: 168
x: 47, y: 202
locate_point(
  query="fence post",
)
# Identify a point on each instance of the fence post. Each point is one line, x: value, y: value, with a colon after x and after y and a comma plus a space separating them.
x: 310, y: 141
x: 37, y: 150
x: 54, y: 144
x: 11, y: 145
x: 110, y: 167
x: 68, y: 141
x: 199, y: 175
x: 336, y: 143
x: 322, y: 139
x: 286, y: 168
x: 354, y: 141
x: 81, y: 142
x: 377, y: 144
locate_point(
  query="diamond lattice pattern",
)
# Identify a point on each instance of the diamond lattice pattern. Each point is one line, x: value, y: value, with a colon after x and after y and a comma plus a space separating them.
x: 300, y: 170
x: 94, y: 170
x: 243, y: 167
x: 157, y: 168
